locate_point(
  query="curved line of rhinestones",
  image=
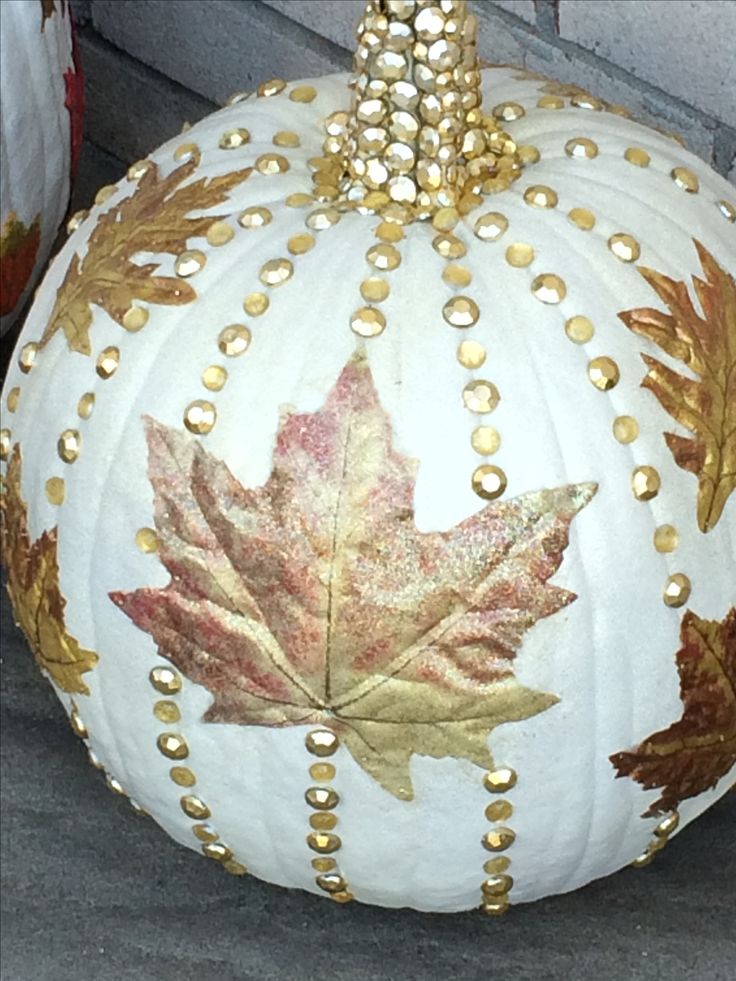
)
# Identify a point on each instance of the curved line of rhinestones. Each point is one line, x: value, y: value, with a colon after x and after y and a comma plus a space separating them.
x: 662, y: 834
x: 324, y: 799
x: 496, y: 887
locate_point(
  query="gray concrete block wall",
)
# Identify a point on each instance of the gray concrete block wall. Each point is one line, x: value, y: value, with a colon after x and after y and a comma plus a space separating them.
x: 150, y: 64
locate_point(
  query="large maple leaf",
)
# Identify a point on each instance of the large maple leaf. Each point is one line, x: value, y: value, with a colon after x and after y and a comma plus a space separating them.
x: 18, y: 254
x: 315, y: 599
x: 154, y: 220
x: 33, y: 584
x: 692, y: 755
x: 706, y: 406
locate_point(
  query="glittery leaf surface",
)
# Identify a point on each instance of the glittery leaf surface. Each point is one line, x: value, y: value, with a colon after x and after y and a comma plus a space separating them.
x: 18, y: 253
x: 315, y: 599
x: 33, y: 584
x: 692, y: 755
x: 152, y: 220
x: 704, y: 399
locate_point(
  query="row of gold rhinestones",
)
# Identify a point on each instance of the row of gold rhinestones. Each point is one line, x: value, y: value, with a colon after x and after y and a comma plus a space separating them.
x: 384, y: 257
x: 662, y: 834
x: 323, y: 799
x: 496, y: 887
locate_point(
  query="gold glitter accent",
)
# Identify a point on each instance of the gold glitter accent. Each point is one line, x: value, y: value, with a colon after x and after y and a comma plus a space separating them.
x: 86, y: 405
x: 299, y: 200
x: 727, y: 209
x: 275, y: 272
x: 579, y: 329
x: 584, y: 219
x: 624, y: 247
x: 271, y: 163
x: 485, y: 440
x: 520, y: 255
x: 234, y: 340
x: 457, y: 276
x: 323, y: 864
x: 384, y: 256
x: 581, y: 148
x: 481, y: 396
x: 254, y: 217
x: 498, y: 839
x: 204, y: 832
x: 324, y: 843
x: 108, y: 361
x: 182, y: 776
x: 491, y: 226
x: 286, y: 138
x: 135, y: 318
x: 551, y: 102
x: 497, y: 866
x: 200, y: 417
x: 321, y: 742
x: 368, y: 322
x: 256, y: 304
x: 603, y: 373
x: 461, y: 311
x: 105, y: 193
x: 189, y: 263
x: 645, y: 483
x: 173, y: 745
x: 68, y: 446
x: 549, y: 288
x: 27, y: 357
x: 374, y: 289
x: 13, y: 399
x: 138, y: 169
x: 541, y: 196
x: 55, y: 490
x: 471, y: 354
x: 214, y: 377
x: 500, y: 781
x: 299, y: 244
x: 489, y: 482
x: 272, y: 87
x: 75, y: 221
x: 231, y: 139
x: 685, y: 179
x: 677, y: 591
x: 449, y: 246
x: 666, y: 538
x: 219, y: 233
x: 167, y: 711
x: 635, y: 155
x: 303, y: 93
x: 322, y: 772
x: 625, y: 429
x: 146, y: 540
x: 499, y: 810
x: 195, y: 808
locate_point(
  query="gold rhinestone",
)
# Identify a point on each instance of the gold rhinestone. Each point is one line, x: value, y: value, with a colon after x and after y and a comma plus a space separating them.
x: 105, y: 193
x: 677, y: 590
x: 236, y: 97
x: 321, y: 742
x: 75, y: 221
x: 666, y: 538
x: 94, y: 761
x: 491, y: 226
x: 68, y: 445
x: 645, y: 483
x: 219, y: 233
x: 529, y: 154
x: 138, y: 169
x: 13, y: 399
x: 27, y: 357
x: 624, y: 247
x: 322, y: 772
x: 194, y: 808
x: 383, y: 256
x: 322, y: 218
x: 489, y: 482
x: 146, y: 540
x: 135, y: 318
x: 78, y: 726
x: 508, y: 111
x: 217, y: 851
x: 323, y: 864
x: 448, y: 246
x: 85, y: 405
x: 551, y: 102
x: 189, y: 263
x: 275, y: 272
x: 299, y: 200
x: 625, y: 429
x: 286, y: 138
x: 323, y: 821
x: 374, y: 290
x: 200, y: 417
x: 4, y: 444
x: 256, y: 304
x: 272, y: 163
x: 604, y: 373
x: 172, y: 745
x: 303, y: 93
x: 498, y: 840
x: 584, y: 219
x: 485, y: 440
x: 499, y: 810
x: 471, y: 354
x: 167, y: 711
x: 322, y: 798
x: 368, y: 322
x: 388, y: 231
x: 299, y: 244
x: 457, y: 276
x: 497, y: 885
x: 584, y: 101
x: 255, y: 217
x: 214, y: 377
x: 635, y: 155
x: 579, y: 329
x: 55, y: 490
x: 481, y: 396
x: 685, y: 179
x: 115, y: 786
x: 549, y: 288
x: 461, y: 311
x: 182, y: 776
x: 727, y: 209
x: 234, y: 340
x: 445, y: 219
x: 520, y: 255
x: 581, y: 148
x: 342, y: 897
x: 205, y: 832
x: 234, y: 138
x: 187, y: 151
x: 497, y: 866
x: 668, y: 825
x: 235, y: 868
x: 322, y: 842
x: 540, y: 196
x: 331, y: 882
x: 272, y: 87
x: 501, y: 780
x: 107, y: 362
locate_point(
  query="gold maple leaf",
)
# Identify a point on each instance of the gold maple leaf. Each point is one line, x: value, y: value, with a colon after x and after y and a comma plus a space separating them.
x: 692, y: 755
x: 706, y: 406
x: 154, y: 220
x: 33, y: 584
x: 314, y: 599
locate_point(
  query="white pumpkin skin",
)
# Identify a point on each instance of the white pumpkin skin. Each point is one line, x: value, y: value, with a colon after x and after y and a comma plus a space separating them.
x: 609, y: 656
x: 36, y: 50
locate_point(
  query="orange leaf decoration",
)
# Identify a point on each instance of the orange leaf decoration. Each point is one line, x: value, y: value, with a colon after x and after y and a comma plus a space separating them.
x: 692, y: 755
x: 33, y: 584
x: 153, y: 219
x: 314, y: 599
x: 18, y: 253
x: 707, y: 347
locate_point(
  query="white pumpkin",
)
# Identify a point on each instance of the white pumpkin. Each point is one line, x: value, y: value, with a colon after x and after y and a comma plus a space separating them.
x: 40, y: 139
x: 330, y: 598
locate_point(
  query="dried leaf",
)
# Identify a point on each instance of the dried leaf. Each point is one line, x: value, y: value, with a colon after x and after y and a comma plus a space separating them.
x: 692, y: 755
x: 153, y: 219
x: 18, y: 254
x: 315, y: 599
x: 33, y: 584
x: 706, y: 406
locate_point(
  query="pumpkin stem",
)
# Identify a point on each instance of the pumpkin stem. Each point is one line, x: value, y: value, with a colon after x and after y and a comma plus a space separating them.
x: 416, y: 135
